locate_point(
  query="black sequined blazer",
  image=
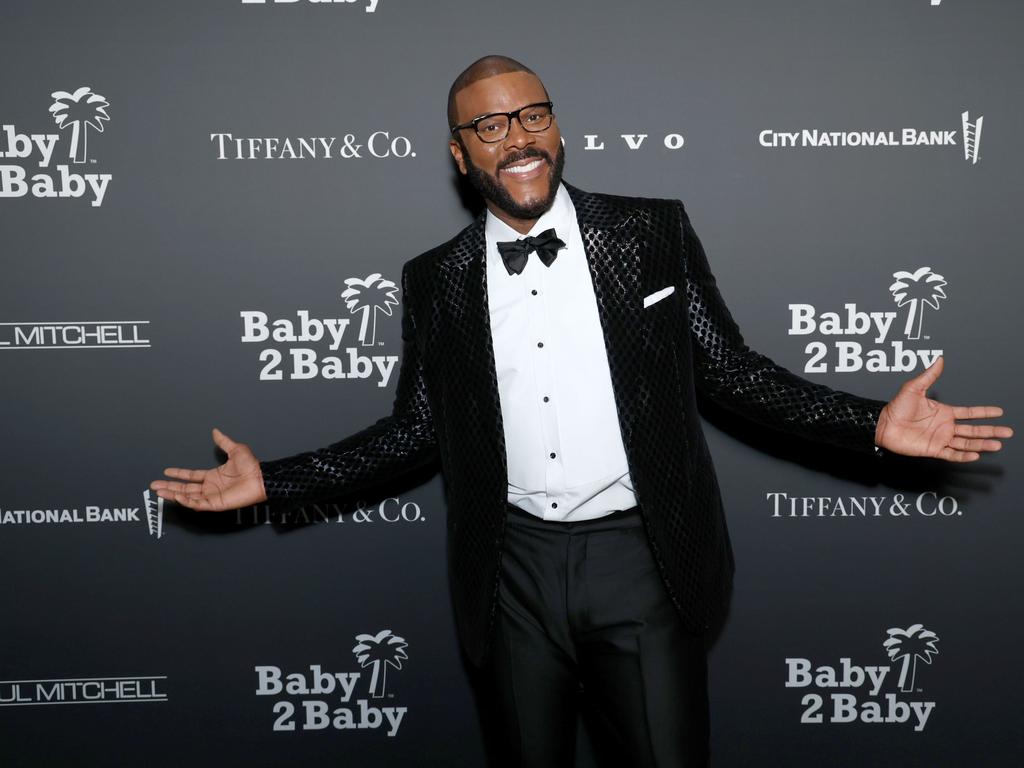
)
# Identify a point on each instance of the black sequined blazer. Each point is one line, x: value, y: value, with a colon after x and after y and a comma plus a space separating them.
x: 447, y: 412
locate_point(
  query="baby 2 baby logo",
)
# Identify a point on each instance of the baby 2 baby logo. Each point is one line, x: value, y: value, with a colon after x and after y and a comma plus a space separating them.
x: 915, y: 293
x: 76, y: 114
x: 851, y: 693
x: 365, y: 299
x: 305, y: 700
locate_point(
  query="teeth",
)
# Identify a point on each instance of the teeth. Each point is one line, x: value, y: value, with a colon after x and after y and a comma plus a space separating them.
x: 523, y: 168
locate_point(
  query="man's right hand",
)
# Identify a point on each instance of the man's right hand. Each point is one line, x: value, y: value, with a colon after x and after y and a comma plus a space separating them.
x: 236, y: 483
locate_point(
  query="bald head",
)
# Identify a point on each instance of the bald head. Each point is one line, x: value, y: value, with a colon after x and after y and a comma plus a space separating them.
x: 487, y: 66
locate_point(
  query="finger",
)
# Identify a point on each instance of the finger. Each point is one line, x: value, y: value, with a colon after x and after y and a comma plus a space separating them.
x: 924, y: 380
x: 976, y: 411
x: 982, y: 430
x: 223, y: 442
x: 192, y: 489
x: 965, y: 444
x: 193, y: 475
x: 951, y: 454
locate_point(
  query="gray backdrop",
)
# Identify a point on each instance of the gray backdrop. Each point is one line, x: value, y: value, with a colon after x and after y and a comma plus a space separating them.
x: 150, y: 635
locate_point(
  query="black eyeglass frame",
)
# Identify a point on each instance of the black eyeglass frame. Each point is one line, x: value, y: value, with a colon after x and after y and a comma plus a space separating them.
x: 513, y: 114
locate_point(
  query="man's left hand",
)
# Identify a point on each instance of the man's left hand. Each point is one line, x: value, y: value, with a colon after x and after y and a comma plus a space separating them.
x: 913, y: 425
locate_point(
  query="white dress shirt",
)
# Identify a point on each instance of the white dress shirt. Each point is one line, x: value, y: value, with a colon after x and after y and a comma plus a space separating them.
x: 564, y: 449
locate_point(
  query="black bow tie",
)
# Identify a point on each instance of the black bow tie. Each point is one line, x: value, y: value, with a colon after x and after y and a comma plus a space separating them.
x: 515, y: 252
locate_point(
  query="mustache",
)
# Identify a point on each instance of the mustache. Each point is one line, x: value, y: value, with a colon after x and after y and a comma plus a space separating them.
x: 523, y: 155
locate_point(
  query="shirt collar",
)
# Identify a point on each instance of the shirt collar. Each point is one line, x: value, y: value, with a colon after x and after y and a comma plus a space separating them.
x: 559, y: 216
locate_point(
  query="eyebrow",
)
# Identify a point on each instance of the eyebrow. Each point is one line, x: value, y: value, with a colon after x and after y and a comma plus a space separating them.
x: 505, y: 112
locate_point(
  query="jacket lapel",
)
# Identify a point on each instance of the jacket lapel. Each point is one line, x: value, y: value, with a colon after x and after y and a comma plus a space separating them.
x: 466, y: 334
x: 612, y: 243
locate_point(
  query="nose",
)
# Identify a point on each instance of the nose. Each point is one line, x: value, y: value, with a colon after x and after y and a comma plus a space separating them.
x: 517, y: 135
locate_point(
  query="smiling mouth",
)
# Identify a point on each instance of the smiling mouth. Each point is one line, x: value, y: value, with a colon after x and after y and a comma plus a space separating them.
x: 525, y: 169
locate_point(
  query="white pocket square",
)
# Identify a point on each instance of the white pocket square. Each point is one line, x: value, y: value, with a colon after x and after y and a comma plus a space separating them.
x: 658, y: 295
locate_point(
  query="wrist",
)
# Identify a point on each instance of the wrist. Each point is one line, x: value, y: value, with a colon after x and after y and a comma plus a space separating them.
x: 879, y: 431
x: 263, y: 488
x: 880, y: 428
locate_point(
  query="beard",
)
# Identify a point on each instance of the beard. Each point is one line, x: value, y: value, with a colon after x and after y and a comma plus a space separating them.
x: 494, y: 191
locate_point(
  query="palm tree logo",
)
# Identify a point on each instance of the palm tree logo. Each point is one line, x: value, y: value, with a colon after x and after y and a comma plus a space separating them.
x: 82, y: 110
x: 380, y: 650
x: 910, y: 644
x: 367, y: 296
x: 918, y: 289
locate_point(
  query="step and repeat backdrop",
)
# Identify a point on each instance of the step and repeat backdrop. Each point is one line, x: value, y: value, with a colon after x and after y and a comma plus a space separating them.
x: 205, y: 206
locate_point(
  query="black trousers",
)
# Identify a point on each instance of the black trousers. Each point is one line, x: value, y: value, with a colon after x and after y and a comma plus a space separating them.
x: 584, y: 622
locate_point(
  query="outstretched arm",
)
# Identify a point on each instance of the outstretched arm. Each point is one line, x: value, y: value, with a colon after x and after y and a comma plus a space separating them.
x: 750, y: 384
x: 392, y: 446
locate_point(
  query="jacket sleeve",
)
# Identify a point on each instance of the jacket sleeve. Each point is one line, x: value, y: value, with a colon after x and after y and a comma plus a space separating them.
x: 751, y: 385
x: 392, y: 446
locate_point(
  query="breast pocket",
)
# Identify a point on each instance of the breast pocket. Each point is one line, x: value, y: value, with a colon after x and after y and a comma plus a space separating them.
x: 664, y: 309
x: 665, y: 355
x: 658, y: 296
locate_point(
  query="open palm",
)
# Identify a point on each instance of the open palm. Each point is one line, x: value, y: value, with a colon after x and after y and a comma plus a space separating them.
x: 236, y: 483
x: 914, y: 425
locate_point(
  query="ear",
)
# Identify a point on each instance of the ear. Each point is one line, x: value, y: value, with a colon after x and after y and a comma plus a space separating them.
x: 456, y: 150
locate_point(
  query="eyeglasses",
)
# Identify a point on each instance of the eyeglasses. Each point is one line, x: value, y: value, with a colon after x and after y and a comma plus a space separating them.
x: 495, y: 126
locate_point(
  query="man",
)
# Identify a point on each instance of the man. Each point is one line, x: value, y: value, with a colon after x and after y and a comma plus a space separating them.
x: 553, y: 380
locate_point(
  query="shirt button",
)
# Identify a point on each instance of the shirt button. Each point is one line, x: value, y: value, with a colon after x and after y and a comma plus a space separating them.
x: 554, y: 504
x: 546, y: 398
x: 534, y: 291
x: 540, y: 343
x: 552, y: 454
